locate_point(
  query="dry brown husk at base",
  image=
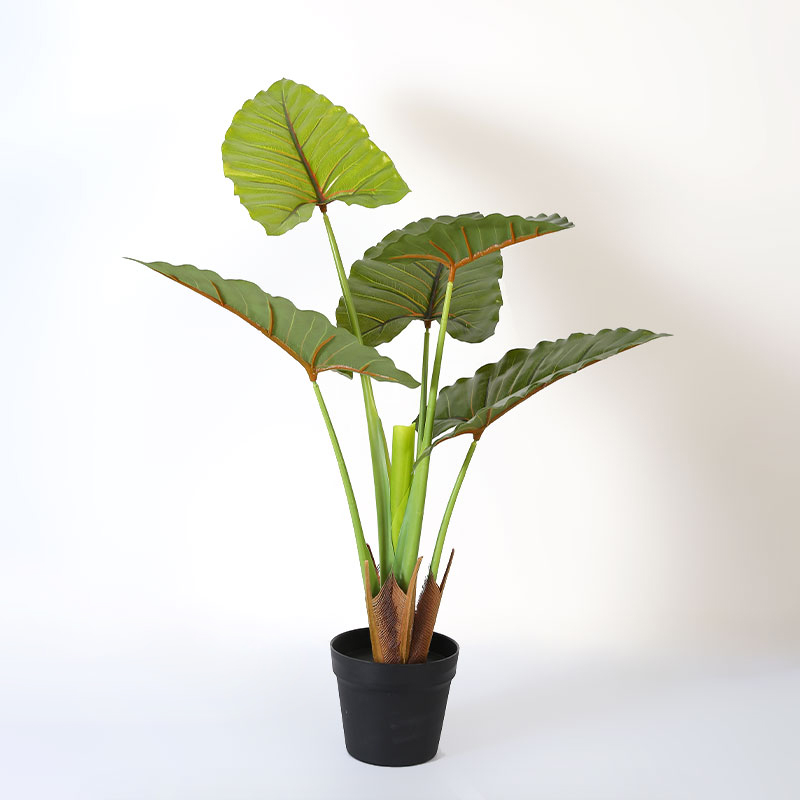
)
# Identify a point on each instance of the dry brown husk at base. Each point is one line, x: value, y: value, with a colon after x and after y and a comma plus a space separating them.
x: 399, y: 634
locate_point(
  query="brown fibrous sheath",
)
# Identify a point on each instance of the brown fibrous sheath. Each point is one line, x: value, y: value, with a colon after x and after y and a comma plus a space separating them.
x: 398, y: 633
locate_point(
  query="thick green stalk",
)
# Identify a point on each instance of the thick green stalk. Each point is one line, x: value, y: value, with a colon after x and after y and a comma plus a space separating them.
x: 400, y: 474
x: 423, y: 389
x: 361, y: 544
x: 377, y: 438
x: 411, y: 529
x: 448, y: 512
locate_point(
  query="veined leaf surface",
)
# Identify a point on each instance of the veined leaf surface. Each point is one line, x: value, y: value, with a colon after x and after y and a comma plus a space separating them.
x: 308, y: 336
x: 470, y: 405
x: 290, y: 149
x: 404, y: 276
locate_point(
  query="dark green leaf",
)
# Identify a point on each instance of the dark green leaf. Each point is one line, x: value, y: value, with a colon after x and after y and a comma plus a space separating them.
x: 404, y: 276
x: 308, y: 336
x: 290, y: 149
x: 470, y: 405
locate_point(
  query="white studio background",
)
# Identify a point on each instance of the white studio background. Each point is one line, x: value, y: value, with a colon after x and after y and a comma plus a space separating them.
x: 168, y: 491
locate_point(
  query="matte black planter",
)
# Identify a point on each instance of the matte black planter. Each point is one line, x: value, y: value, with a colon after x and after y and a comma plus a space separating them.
x: 392, y: 713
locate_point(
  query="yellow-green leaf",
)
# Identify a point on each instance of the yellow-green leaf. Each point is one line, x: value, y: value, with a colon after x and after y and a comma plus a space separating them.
x: 290, y: 149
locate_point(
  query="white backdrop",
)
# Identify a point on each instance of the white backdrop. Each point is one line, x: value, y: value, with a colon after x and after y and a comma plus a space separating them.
x: 167, y: 485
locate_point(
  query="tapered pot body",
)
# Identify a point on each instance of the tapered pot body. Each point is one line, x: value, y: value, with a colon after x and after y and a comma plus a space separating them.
x: 392, y: 714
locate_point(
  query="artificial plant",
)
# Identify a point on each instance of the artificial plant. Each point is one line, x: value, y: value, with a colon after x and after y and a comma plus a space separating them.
x: 290, y: 151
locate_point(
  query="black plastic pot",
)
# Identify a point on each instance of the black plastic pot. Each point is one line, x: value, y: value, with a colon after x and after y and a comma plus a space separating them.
x: 392, y: 713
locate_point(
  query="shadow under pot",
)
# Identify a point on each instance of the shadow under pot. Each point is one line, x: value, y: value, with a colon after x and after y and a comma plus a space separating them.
x: 392, y: 714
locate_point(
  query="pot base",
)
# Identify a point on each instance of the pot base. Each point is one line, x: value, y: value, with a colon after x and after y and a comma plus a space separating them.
x: 392, y: 714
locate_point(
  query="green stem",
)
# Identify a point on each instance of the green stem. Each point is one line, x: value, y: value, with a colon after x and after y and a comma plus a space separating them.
x: 380, y: 480
x: 437, y: 365
x: 361, y: 544
x: 423, y: 389
x: 411, y: 530
x: 377, y: 437
x: 348, y: 297
x: 437, y: 552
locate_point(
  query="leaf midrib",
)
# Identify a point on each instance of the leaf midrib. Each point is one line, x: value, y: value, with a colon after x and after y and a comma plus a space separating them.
x: 321, y: 201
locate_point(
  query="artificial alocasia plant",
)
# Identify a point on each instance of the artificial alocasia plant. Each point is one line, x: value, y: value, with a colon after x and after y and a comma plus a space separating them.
x: 289, y: 151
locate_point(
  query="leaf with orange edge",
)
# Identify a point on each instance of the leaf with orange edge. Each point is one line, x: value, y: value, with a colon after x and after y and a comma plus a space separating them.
x: 470, y: 405
x: 308, y: 336
x: 404, y: 276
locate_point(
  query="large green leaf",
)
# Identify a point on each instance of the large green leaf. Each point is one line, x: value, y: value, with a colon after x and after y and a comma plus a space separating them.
x: 290, y: 149
x: 404, y: 276
x: 307, y: 336
x: 470, y: 405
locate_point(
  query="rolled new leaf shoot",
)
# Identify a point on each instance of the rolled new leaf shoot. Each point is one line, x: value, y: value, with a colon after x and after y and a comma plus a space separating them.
x: 400, y: 475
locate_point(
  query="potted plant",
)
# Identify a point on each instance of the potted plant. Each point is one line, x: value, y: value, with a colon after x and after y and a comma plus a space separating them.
x: 288, y: 152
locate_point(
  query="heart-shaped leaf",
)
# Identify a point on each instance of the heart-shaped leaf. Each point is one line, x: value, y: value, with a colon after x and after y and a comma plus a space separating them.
x: 307, y: 336
x: 470, y: 405
x: 404, y: 276
x: 290, y: 149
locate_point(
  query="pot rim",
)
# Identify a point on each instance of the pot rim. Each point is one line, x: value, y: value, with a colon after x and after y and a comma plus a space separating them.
x: 441, y: 637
